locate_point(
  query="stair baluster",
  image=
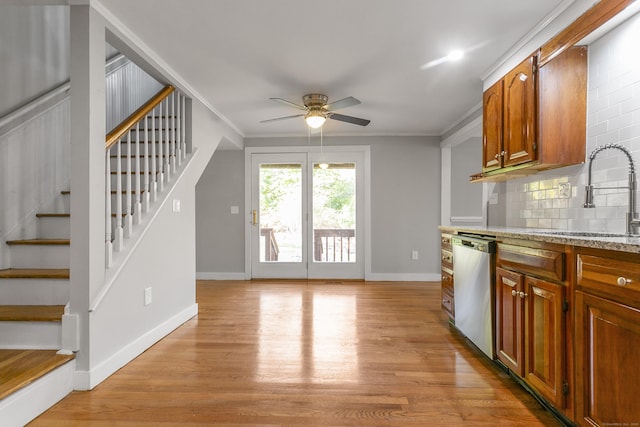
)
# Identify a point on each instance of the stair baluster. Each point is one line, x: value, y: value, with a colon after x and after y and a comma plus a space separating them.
x: 128, y: 218
x: 172, y: 131
x: 154, y: 158
x: 137, y: 207
x: 167, y: 159
x: 145, y: 194
x: 119, y: 232
x: 107, y: 226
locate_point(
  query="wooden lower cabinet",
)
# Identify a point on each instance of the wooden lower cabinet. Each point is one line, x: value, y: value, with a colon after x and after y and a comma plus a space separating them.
x: 608, y: 366
x: 544, y: 316
x: 607, y: 337
x: 530, y: 335
x: 509, y: 320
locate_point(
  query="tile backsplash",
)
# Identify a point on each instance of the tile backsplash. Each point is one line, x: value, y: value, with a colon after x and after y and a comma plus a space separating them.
x: 554, y: 199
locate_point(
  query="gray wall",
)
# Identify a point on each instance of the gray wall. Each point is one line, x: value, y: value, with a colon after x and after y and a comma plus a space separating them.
x: 34, y: 52
x: 405, y: 206
x: 466, y: 197
x: 220, y: 234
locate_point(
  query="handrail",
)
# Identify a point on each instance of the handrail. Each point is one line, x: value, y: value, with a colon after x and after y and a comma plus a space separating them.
x: 128, y: 123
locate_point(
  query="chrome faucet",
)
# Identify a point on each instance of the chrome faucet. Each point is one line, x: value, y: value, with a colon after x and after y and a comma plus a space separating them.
x: 633, y: 222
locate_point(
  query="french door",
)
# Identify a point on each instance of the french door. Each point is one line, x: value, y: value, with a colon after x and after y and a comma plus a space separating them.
x: 307, y: 215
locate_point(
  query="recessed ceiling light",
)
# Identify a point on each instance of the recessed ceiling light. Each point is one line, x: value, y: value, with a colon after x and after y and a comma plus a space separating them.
x: 455, y: 55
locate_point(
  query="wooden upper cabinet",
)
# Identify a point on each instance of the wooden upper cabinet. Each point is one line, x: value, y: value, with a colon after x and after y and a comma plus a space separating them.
x: 509, y: 119
x: 534, y: 118
x: 519, y: 134
x: 492, y: 127
x: 562, y: 108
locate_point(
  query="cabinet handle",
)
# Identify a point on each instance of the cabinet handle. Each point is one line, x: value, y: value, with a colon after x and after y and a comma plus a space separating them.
x: 503, y: 153
x: 514, y: 293
x: 446, y: 258
x: 523, y: 295
x: 445, y: 241
x: 497, y: 156
x: 623, y: 281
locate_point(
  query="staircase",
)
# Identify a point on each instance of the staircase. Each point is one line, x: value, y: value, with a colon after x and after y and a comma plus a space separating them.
x: 140, y: 163
x: 33, y: 294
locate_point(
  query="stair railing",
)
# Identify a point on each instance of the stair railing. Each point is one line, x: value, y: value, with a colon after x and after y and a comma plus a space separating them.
x: 155, y: 145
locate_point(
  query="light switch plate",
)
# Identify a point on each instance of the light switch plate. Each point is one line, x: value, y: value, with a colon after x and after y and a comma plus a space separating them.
x: 235, y: 210
x: 176, y: 205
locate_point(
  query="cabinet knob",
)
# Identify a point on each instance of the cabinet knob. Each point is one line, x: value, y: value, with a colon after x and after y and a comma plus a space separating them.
x: 503, y: 153
x: 623, y: 281
x: 497, y: 156
x: 523, y: 295
x: 514, y: 293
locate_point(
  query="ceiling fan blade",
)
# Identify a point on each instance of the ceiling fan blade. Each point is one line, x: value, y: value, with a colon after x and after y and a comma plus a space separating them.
x: 342, y: 103
x: 289, y: 103
x: 349, y: 119
x: 281, y: 118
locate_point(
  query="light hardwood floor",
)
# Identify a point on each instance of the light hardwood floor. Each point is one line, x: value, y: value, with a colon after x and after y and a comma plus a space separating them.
x: 307, y: 354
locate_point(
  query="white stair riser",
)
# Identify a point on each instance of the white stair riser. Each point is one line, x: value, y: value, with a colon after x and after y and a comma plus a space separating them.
x: 31, y: 335
x: 54, y: 227
x: 34, y: 291
x: 23, y: 406
x: 40, y: 256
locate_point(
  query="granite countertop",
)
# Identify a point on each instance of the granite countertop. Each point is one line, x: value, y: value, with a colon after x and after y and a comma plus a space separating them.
x: 609, y: 241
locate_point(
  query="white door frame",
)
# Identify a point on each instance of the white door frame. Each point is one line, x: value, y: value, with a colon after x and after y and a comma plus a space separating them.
x: 364, y: 149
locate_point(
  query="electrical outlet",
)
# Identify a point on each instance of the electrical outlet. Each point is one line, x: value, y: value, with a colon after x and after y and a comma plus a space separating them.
x: 564, y: 190
x: 147, y: 296
x: 414, y: 255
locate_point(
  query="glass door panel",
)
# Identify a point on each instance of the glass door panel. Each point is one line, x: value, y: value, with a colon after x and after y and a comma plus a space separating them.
x: 278, y: 237
x: 280, y: 212
x: 334, y: 212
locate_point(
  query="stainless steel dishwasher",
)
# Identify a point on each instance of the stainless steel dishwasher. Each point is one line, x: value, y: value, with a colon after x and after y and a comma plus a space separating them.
x: 473, y: 274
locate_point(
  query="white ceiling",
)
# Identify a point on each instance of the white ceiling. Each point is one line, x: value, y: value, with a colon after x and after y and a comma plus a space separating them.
x: 238, y: 53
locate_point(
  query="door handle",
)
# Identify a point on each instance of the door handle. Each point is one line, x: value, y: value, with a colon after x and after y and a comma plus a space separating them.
x: 254, y: 216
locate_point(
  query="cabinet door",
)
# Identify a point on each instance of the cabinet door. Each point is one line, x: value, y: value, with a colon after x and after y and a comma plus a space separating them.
x: 545, y: 338
x: 607, y: 368
x: 509, y: 320
x: 492, y: 127
x: 519, y: 115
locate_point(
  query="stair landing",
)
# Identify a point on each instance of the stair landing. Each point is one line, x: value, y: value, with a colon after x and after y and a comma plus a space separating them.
x: 19, y: 368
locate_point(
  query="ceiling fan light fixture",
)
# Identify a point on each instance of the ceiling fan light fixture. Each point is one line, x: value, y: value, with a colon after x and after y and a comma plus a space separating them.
x: 315, y: 119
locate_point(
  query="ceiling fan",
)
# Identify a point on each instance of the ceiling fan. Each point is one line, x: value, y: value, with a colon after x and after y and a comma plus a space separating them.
x: 317, y: 111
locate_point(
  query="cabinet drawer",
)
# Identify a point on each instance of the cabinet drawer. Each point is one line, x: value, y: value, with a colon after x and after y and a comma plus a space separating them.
x: 447, y: 282
x: 617, y: 277
x: 543, y: 263
x: 447, y: 259
x: 447, y: 303
x: 446, y: 241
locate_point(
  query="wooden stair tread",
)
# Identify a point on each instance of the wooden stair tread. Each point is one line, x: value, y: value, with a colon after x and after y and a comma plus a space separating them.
x: 34, y: 273
x: 19, y: 368
x: 42, y: 242
x: 53, y: 215
x: 31, y: 313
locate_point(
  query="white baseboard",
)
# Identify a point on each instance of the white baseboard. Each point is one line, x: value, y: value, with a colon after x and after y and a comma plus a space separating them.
x: 87, y: 380
x: 27, y: 403
x: 201, y: 275
x: 402, y: 277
